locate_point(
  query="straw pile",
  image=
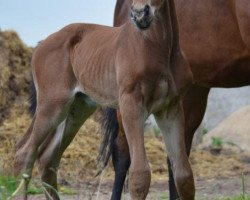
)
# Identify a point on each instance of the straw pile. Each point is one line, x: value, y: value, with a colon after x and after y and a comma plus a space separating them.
x: 15, y: 59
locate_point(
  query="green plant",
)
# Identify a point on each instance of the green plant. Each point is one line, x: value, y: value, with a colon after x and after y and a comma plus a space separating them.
x: 164, y: 196
x: 204, y: 131
x: 34, y: 190
x: 217, y: 142
x: 243, y: 185
x: 8, y: 185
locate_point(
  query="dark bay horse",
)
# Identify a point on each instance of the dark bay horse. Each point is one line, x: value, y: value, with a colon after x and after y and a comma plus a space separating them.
x: 215, y: 36
x: 85, y: 66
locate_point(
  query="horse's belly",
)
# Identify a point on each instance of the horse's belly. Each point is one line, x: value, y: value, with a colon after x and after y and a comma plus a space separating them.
x: 96, y: 78
x: 99, y: 96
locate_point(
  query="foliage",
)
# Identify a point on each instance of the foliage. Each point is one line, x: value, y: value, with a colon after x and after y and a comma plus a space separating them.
x: 217, y: 142
x: 8, y: 185
x: 204, y: 131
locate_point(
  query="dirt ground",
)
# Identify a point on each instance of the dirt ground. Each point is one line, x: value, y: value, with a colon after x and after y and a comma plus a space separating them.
x: 206, y: 189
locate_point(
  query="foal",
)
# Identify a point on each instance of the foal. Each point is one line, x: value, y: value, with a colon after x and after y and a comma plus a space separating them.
x: 84, y: 66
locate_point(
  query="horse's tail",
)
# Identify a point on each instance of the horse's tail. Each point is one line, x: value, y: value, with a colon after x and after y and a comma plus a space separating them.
x: 33, y: 98
x: 32, y: 109
x: 110, y: 128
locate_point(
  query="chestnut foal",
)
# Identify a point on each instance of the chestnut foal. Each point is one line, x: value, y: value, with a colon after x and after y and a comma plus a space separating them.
x: 84, y: 66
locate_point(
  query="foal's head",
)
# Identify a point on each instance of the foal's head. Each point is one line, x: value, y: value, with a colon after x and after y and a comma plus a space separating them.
x: 143, y: 12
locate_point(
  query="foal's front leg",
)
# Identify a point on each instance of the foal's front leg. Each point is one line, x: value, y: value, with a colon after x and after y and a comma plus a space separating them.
x: 132, y: 113
x: 171, y: 123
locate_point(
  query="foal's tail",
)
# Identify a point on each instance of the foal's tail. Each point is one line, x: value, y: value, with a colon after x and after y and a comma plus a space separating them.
x: 110, y: 128
x: 32, y: 109
x: 33, y: 98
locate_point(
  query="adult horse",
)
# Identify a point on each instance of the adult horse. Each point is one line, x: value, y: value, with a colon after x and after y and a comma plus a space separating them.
x: 84, y: 66
x: 215, y: 36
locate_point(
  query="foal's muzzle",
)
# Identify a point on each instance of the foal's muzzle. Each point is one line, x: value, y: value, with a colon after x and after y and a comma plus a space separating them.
x: 141, y: 17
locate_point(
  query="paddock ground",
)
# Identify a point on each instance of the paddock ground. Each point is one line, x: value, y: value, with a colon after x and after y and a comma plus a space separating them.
x: 206, y: 189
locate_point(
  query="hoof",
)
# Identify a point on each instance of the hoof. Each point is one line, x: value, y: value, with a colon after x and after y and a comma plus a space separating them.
x: 139, y: 184
x: 185, y: 185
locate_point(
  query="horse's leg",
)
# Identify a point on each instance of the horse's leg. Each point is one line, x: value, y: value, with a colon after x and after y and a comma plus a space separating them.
x: 121, y: 161
x: 50, y: 113
x: 171, y: 123
x: 194, y: 104
x: 50, y: 157
x: 132, y: 113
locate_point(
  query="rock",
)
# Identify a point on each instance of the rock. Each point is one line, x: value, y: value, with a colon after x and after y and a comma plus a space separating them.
x: 234, y: 131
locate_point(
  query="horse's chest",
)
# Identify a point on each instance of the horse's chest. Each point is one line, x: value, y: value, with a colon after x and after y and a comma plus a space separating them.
x: 157, y: 97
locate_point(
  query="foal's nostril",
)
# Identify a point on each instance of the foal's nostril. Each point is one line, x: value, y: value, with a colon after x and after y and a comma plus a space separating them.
x: 146, y: 10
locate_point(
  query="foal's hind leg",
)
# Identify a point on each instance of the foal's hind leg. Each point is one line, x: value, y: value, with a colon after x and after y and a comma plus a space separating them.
x: 49, y: 115
x: 50, y: 158
x: 171, y: 123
